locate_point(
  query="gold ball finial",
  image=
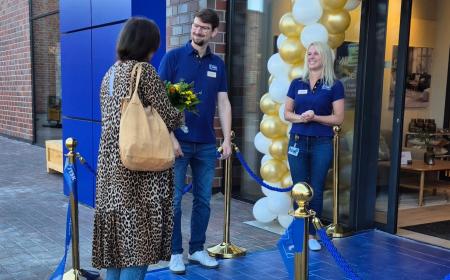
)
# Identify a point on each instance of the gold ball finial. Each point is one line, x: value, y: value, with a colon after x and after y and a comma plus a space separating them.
x: 337, y: 128
x: 71, y: 143
x: 302, y: 192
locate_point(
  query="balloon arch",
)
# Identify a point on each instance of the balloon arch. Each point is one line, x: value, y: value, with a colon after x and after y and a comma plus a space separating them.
x: 309, y: 21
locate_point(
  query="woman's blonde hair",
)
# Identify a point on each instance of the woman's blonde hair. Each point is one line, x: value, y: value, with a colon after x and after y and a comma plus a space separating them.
x: 327, y: 56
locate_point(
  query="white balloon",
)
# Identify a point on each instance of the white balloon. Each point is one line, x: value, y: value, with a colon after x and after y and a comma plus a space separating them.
x: 277, y: 67
x: 352, y: 4
x: 281, y: 38
x: 262, y: 143
x: 278, y: 89
x: 268, y: 192
x: 281, y: 114
x: 315, y: 32
x: 265, y: 158
x: 261, y: 212
x: 307, y: 11
x: 279, y: 202
x: 285, y: 220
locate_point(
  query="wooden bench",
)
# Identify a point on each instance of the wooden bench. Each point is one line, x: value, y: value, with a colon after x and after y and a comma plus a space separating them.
x: 54, y: 155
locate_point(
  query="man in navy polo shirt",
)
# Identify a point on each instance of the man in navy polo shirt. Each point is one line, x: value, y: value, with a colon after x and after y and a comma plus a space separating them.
x: 196, y: 146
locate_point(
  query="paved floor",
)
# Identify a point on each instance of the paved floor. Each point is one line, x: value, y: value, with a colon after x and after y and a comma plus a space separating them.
x: 33, y: 213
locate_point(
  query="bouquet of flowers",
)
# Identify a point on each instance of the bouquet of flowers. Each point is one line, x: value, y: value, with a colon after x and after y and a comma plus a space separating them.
x: 182, y: 96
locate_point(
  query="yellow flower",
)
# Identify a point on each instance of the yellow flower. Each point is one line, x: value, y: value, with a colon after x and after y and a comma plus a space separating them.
x: 177, y: 87
x: 188, y: 102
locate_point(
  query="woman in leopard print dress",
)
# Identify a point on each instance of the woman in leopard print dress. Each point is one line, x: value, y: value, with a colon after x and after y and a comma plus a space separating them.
x: 134, y: 214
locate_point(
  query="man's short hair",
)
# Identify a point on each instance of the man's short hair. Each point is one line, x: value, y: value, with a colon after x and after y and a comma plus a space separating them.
x: 208, y: 16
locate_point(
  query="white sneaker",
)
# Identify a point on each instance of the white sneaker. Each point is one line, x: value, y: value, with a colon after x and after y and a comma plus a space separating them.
x: 202, y: 257
x: 314, y: 245
x: 176, y: 264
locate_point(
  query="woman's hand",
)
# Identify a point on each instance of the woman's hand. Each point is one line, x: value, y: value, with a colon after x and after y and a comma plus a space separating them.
x: 176, y: 146
x: 307, y: 116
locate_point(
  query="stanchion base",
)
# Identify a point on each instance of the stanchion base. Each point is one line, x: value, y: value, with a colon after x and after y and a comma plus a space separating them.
x: 226, y: 251
x: 337, y: 231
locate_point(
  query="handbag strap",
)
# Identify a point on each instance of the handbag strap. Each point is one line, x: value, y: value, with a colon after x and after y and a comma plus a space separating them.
x: 111, y: 80
x: 136, y: 68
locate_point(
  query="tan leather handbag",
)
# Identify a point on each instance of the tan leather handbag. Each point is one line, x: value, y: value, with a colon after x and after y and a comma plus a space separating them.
x: 144, y: 139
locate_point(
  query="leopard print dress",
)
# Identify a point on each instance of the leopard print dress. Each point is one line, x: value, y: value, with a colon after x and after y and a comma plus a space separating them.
x: 134, y: 210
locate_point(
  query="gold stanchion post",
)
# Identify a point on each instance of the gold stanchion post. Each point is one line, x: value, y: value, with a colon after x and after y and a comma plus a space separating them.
x: 226, y: 249
x: 71, y: 144
x: 336, y: 230
x: 302, y: 193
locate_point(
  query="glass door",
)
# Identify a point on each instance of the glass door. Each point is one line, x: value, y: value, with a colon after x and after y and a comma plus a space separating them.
x: 392, y: 113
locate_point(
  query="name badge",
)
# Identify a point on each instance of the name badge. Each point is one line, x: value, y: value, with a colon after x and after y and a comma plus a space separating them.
x: 293, y: 150
x: 211, y: 74
x: 302, y: 91
x: 326, y: 87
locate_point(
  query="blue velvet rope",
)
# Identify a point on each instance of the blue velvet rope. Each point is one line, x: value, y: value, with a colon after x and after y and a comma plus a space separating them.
x: 85, y: 163
x: 256, y: 178
x: 337, y: 256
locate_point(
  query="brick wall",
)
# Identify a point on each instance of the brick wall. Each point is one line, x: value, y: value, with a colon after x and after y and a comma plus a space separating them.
x: 16, y: 119
x: 180, y: 14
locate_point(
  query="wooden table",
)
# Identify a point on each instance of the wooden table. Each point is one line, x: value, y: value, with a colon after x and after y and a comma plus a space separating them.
x: 422, y: 168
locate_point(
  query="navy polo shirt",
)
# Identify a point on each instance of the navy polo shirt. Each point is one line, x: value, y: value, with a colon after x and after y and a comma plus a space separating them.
x: 319, y: 99
x: 209, y: 76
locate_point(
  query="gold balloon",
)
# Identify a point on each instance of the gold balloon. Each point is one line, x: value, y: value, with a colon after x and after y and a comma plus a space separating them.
x: 296, y: 72
x: 272, y: 127
x: 278, y: 148
x: 335, y: 40
x: 289, y: 27
x: 336, y: 22
x: 270, y: 79
x: 292, y: 51
x: 286, y: 180
x: 273, y: 170
x: 333, y: 4
x: 268, y: 106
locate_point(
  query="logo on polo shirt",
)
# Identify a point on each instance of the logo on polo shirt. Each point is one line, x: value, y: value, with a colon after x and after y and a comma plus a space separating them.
x: 212, y: 67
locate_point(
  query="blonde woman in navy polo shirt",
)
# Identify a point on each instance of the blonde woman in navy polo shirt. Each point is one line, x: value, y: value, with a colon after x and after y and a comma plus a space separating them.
x: 196, y: 147
x: 314, y: 104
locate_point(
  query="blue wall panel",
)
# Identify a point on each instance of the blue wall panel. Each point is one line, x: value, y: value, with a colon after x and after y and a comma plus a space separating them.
x: 106, y: 11
x: 86, y: 54
x: 155, y: 10
x: 103, y: 56
x: 76, y: 74
x: 74, y: 14
x: 82, y: 131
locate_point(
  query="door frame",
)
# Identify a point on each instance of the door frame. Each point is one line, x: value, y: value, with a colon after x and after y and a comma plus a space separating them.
x: 368, y: 114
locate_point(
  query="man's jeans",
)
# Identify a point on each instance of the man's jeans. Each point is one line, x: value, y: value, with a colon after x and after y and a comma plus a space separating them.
x: 202, y: 159
x: 311, y: 165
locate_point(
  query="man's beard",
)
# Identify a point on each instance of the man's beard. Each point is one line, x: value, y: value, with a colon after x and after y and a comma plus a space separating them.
x: 199, y: 42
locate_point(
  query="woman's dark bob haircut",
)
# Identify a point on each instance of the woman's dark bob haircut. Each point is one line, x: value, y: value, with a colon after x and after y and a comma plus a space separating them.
x: 138, y: 39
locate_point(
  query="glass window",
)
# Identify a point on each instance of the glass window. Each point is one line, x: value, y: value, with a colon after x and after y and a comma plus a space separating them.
x: 46, y: 71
